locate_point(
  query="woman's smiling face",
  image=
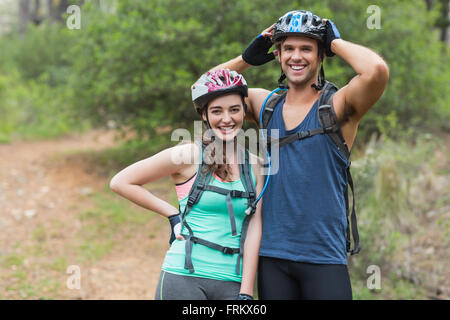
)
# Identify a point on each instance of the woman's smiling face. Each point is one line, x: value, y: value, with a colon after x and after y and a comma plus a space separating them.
x: 225, y: 116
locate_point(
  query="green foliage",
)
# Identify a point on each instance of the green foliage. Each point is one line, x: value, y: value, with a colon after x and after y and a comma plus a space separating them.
x: 396, y: 183
x: 36, y: 98
x: 32, y: 109
x: 42, y: 50
x: 416, y: 95
x: 144, y: 57
x: 135, y: 62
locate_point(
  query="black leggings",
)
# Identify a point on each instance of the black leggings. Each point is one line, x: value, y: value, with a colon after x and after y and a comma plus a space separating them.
x: 280, y: 279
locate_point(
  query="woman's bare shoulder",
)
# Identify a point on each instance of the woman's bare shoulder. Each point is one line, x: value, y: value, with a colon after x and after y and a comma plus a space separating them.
x: 186, y: 153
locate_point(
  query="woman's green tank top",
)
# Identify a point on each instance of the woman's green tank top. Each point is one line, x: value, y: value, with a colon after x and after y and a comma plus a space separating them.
x: 209, y: 220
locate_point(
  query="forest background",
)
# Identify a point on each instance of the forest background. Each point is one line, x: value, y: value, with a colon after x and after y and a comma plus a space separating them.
x: 127, y: 68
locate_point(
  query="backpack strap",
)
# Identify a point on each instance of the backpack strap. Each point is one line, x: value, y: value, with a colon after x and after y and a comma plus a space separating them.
x: 328, y: 119
x: 354, y: 223
x: 246, y: 178
x: 201, y: 184
x: 229, y: 194
x: 330, y: 124
x: 297, y: 136
x: 247, y: 181
x: 270, y: 107
x: 201, y: 181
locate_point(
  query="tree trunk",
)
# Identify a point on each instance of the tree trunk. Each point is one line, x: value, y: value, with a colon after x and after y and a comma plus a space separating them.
x: 24, y: 16
x: 51, y: 11
x: 445, y: 29
x: 35, y: 17
x: 63, y: 4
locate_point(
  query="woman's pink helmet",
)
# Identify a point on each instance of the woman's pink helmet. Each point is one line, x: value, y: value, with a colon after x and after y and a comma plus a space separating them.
x: 216, y: 83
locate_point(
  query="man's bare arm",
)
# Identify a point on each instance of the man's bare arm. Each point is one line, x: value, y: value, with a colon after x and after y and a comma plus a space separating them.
x: 257, y: 54
x: 361, y: 93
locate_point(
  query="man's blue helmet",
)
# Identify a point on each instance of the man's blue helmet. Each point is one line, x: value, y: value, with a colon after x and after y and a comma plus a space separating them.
x: 299, y: 22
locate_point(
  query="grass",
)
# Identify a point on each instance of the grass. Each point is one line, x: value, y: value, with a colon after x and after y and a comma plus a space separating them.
x: 12, y: 260
x: 397, y: 184
x: 393, y: 287
x: 111, y: 221
x: 4, y: 139
x: 39, y: 234
x: 103, y: 225
x: 22, y: 280
x: 59, y: 264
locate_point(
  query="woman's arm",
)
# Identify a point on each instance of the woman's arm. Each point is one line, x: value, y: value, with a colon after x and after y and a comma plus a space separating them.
x: 129, y: 182
x: 253, y: 240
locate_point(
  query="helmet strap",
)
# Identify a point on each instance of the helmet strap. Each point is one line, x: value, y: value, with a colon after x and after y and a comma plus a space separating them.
x: 208, y: 126
x: 318, y: 87
x: 281, y: 85
x: 321, y: 76
x: 321, y: 79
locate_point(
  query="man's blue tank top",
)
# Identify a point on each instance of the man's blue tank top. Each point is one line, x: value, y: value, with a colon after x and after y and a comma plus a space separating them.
x: 304, y: 216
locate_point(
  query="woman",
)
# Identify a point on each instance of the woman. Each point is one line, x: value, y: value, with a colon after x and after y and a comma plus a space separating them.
x: 218, y: 223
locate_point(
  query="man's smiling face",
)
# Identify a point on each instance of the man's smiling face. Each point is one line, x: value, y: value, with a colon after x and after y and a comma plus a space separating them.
x: 299, y: 60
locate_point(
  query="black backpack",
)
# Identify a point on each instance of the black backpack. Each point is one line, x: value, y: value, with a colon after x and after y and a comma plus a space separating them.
x: 330, y: 126
x: 201, y: 184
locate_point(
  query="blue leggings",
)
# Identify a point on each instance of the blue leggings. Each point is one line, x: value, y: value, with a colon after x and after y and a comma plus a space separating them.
x: 280, y: 279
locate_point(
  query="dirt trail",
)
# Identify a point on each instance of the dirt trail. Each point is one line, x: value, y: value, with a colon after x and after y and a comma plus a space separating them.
x: 41, y: 194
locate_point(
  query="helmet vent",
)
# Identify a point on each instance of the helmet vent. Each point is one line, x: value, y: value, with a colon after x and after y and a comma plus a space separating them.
x: 288, y: 20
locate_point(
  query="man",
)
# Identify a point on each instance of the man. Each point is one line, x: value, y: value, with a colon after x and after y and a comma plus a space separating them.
x: 303, y: 247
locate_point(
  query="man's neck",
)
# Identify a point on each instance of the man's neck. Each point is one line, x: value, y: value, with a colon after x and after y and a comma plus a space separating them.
x: 301, y: 95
